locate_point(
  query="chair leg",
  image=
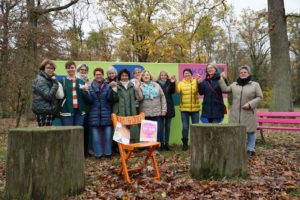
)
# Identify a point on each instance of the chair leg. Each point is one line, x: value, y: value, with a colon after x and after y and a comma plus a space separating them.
x: 152, y: 155
x: 262, y: 136
x: 126, y: 156
x: 123, y: 167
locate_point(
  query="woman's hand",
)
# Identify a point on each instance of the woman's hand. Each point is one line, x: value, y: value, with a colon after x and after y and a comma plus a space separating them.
x: 163, y: 113
x: 113, y: 84
x: 137, y: 84
x: 246, y: 106
x: 85, y: 88
x: 198, y: 78
x: 173, y: 79
x: 223, y: 75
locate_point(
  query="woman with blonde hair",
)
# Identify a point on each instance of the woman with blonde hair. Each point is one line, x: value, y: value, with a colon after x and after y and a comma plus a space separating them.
x: 168, y: 86
x: 152, y: 101
x: 213, y: 107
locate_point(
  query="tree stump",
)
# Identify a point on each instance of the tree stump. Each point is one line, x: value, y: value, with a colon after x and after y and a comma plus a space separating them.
x: 45, y: 162
x: 218, y: 150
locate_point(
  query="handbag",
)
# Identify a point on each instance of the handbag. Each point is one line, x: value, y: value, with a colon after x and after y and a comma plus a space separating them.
x: 221, y: 97
x: 60, y: 91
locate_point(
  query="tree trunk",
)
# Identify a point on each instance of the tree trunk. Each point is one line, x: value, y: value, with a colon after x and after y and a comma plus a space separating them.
x: 280, y: 60
x: 44, y: 162
x: 218, y: 151
x: 4, y: 68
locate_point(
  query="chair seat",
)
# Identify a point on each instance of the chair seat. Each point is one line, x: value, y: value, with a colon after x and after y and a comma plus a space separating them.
x: 140, y: 145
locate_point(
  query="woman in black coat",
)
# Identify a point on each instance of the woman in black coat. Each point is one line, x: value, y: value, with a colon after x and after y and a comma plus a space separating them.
x: 168, y: 86
x: 213, y: 107
x: 44, y: 89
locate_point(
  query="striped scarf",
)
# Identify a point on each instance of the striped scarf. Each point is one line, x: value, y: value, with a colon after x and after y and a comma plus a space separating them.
x: 74, y: 94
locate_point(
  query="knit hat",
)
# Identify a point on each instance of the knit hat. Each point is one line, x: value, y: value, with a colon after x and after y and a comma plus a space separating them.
x: 246, y: 67
x: 187, y: 69
x: 82, y: 65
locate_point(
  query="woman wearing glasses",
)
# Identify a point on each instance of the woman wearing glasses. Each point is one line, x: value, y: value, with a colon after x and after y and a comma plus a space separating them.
x: 44, y: 89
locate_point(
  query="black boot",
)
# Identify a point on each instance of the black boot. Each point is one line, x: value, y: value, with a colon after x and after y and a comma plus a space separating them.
x: 185, y: 146
x: 167, y: 148
x: 162, y: 147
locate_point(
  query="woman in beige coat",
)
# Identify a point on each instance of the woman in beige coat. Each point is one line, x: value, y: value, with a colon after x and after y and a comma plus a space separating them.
x: 246, y: 95
x: 152, y: 101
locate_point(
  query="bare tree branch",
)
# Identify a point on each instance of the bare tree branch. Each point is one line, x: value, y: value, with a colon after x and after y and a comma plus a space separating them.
x: 44, y: 11
x: 293, y: 15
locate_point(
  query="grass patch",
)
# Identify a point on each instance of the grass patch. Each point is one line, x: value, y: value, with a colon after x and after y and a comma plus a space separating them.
x: 296, y: 192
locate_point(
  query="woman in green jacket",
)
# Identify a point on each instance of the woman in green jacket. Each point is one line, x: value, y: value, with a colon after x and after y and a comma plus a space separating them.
x: 124, y: 100
x: 73, y: 107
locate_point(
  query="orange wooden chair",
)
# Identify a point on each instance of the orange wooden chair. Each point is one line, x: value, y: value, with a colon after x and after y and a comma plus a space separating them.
x: 127, y: 150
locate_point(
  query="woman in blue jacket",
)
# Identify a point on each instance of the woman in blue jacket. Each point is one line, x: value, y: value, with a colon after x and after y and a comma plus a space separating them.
x: 99, y: 97
x: 212, y: 105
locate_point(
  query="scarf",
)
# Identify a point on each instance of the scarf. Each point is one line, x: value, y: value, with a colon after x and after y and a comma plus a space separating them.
x: 98, y: 86
x: 243, y: 81
x: 162, y: 82
x: 125, y: 84
x: 149, y: 91
x: 82, y: 77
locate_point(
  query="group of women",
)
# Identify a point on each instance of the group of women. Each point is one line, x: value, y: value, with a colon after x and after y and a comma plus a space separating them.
x: 89, y: 103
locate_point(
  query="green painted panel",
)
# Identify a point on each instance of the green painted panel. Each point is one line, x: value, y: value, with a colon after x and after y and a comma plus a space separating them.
x: 154, y: 68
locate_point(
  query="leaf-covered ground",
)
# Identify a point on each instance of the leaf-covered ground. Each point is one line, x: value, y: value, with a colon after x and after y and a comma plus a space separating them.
x: 274, y: 173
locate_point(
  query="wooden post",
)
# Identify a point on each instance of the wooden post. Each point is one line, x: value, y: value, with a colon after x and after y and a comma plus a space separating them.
x: 45, y: 162
x: 218, y: 150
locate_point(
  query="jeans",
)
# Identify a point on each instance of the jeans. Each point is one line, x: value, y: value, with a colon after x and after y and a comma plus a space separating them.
x: 211, y: 120
x: 251, y: 138
x: 75, y: 120
x: 166, y: 124
x: 185, y: 119
x: 102, y: 140
x: 158, y: 119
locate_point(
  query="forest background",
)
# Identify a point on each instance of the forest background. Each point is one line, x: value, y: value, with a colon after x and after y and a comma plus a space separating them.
x: 169, y: 31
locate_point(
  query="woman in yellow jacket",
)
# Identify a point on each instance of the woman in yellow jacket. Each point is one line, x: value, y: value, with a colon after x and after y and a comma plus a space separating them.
x: 189, y: 103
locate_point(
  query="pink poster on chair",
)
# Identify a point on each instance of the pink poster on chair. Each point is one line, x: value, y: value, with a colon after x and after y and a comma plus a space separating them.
x: 148, y: 131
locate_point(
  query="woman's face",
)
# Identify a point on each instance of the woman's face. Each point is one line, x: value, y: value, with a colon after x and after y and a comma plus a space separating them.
x: 187, y: 75
x: 146, y: 77
x: 124, y: 77
x: 98, y: 76
x: 49, y: 70
x: 243, y: 73
x: 163, y: 76
x: 83, y: 70
x: 210, y: 70
x: 137, y: 74
x: 111, y: 74
x: 71, y: 70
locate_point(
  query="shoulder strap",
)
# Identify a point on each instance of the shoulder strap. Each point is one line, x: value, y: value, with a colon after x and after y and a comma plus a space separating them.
x: 214, y: 91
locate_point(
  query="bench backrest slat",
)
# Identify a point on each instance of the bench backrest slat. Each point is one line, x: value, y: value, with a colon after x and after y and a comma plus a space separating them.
x: 278, y: 120
x: 278, y: 114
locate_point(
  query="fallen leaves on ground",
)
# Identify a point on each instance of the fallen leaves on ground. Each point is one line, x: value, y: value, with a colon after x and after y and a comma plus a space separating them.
x: 274, y: 173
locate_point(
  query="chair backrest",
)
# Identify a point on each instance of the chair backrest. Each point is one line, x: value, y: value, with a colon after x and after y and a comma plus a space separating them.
x: 129, y: 120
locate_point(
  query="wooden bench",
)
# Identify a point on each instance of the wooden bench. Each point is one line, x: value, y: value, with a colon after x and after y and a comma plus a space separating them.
x: 283, y: 121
